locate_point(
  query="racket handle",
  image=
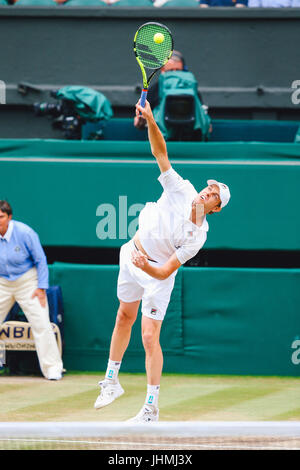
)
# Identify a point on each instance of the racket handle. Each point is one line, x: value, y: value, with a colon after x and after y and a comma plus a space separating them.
x: 143, y: 97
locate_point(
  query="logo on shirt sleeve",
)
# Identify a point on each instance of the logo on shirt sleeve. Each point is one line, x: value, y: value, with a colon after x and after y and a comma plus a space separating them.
x: 153, y: 311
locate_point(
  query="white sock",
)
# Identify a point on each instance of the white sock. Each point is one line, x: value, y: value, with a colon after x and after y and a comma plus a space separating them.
x: 152, y: 395
x: 112, y: 370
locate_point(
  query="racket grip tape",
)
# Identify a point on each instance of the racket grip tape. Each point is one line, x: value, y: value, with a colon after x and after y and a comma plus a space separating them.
x: 143, y: 97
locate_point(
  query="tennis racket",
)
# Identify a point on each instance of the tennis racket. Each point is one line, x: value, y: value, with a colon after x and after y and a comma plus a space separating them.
x: 153, y: 47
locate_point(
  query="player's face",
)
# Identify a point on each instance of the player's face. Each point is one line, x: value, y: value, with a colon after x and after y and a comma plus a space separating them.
x: 211, y: 197
x: 4, y: 221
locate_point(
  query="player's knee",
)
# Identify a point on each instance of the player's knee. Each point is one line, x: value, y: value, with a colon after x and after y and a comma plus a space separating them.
x: 150, y: 340
x: 125, y: 317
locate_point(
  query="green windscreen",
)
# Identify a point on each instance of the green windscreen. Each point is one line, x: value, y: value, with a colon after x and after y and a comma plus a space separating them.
x: 153, y: 55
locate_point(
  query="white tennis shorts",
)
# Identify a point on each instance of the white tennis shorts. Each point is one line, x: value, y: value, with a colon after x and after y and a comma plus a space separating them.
x: 134, y: 284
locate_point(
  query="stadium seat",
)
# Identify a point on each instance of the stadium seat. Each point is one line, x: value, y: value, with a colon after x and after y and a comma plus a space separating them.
x: 26, y: 362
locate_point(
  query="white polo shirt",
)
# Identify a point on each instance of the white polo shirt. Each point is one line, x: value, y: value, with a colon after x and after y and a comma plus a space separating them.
x: 164, y: 226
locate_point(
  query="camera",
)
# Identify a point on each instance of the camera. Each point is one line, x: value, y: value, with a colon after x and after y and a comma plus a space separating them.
x: 46, y: 109
x: 77, y: 106
x: 180, y: 110
x: 180, y: 117
x: 64, y: 115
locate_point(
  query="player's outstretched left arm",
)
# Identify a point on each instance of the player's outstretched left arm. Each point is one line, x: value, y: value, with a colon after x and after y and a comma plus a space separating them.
x: 160, y: 272
x: 156, y: 139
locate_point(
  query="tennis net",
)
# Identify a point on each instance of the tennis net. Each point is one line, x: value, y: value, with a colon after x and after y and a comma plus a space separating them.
x: 195, y: 435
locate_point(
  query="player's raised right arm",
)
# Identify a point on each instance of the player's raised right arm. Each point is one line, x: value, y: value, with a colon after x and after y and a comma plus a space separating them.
x: 156, y: 139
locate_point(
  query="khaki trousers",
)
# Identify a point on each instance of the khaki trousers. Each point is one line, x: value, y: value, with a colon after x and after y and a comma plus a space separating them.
x: 21, y: 291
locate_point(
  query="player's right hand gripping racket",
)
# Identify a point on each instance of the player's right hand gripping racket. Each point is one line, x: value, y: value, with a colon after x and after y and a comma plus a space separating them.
x: 153, y: 47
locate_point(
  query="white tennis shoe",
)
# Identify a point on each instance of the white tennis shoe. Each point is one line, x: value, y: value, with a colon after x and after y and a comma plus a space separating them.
x: 148, y: 413
x: 54, y: 374
x: 109, y: 392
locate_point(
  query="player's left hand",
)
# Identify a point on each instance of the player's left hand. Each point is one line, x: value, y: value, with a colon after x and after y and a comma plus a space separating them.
x: 145, y: 112
x: 41, y: 295
x: 139, y: 259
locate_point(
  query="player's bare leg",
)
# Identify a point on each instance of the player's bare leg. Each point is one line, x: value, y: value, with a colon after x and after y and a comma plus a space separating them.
x: 126, y: 317
x: 110, y: 386
x: 154, y: 364
x: 154, y: 357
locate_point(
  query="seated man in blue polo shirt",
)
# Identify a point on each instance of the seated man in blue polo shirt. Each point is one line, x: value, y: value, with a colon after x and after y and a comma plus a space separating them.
x: 24, y: 279
x: 223, y: 3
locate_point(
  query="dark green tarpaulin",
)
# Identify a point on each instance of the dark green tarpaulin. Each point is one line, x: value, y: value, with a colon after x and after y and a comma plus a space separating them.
x: 89, y: 103
x: 177, y: 83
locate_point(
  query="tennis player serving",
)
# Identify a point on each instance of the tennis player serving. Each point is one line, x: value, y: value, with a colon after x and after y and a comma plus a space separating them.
x: 171, y: 231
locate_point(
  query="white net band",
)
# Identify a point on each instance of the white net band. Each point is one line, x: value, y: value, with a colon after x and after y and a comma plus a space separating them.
x: 152, y: 436
x: 173, y: 428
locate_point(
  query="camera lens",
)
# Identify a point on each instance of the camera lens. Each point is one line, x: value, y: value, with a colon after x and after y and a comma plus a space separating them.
x: 46, y: 109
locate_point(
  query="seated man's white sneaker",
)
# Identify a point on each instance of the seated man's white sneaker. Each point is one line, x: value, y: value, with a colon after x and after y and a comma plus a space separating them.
x: 109, y: 392
x: 54, y: 374
x: 147, y: 414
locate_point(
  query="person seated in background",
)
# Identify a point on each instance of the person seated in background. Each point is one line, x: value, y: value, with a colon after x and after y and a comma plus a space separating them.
x: 40, y: 3
x: 176, y: 62
x: 85, y: 3
x: 81, y: 3
x: 223, y: 3
x: 175, y: 3
x: 173, y: 85
x: 270, y: 3
x: 24, y: 278
x: 126, y: 3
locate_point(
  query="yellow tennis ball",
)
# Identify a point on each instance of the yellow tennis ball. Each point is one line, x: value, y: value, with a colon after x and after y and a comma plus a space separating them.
x: 159, y: 38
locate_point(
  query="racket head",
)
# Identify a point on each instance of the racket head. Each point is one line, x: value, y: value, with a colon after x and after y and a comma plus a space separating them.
x: 149, y: 54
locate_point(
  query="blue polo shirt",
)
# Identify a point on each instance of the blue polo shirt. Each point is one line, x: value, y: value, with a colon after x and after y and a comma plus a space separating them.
x: 21, y: 250
x: 223, y: 3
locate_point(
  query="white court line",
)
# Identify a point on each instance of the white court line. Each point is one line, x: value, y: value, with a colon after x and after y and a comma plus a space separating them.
x: 149, y: 162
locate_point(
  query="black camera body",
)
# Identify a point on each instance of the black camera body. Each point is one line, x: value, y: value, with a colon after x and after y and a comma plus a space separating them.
x: 180, y: 117
x: 64, y: 117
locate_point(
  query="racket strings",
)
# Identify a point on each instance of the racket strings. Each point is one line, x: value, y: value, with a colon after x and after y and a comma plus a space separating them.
x: 151, y: 54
